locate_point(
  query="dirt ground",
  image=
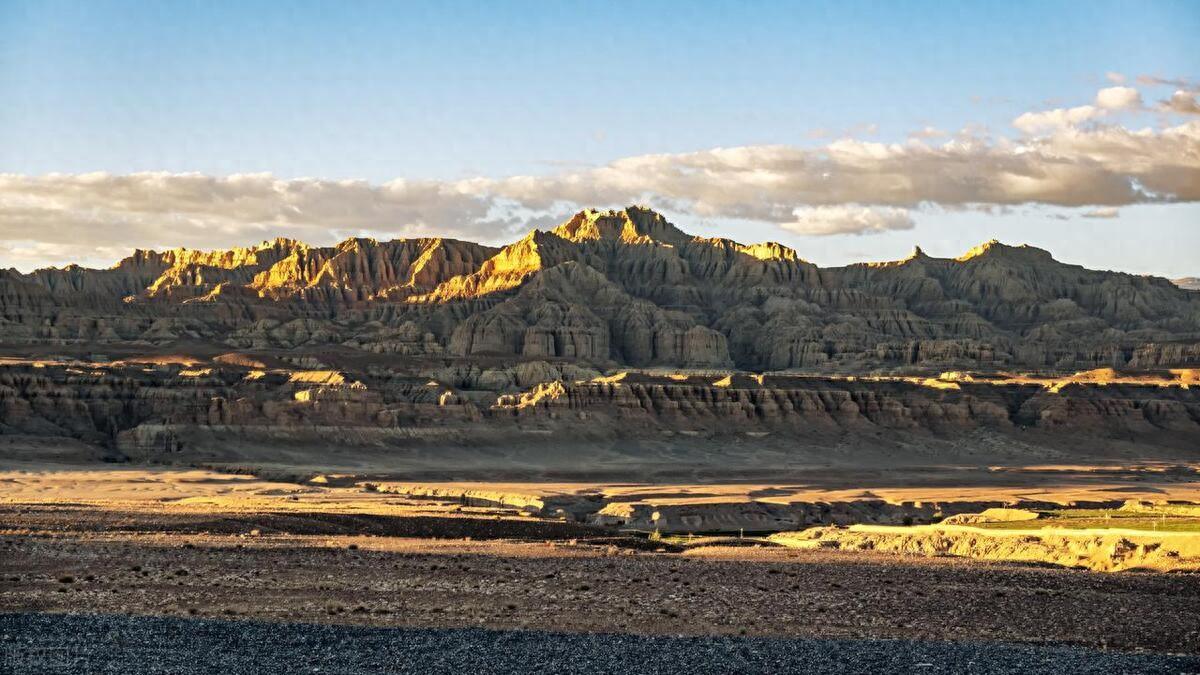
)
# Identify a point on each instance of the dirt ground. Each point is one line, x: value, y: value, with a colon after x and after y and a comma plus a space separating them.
x: 536, y: 575
x: 172, y: 542
x: 51, y: 482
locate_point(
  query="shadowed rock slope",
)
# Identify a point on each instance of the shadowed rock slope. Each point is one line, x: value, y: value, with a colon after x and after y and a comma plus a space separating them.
x: 543, y: 419
x: 611, y: 289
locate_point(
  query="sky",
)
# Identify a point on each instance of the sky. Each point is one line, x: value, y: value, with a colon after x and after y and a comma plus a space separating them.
x: 848, y: 131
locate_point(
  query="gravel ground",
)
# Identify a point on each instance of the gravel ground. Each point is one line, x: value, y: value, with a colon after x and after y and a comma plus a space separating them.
x: 393, y: 582
x: 48, y: 643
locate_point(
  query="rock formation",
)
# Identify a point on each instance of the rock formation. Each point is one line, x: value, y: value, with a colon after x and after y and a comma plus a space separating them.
x: 617, y: 288
x: 451, y: 420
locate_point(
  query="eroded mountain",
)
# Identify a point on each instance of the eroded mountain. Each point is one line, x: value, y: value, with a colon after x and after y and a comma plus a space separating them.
x: 610, y: 289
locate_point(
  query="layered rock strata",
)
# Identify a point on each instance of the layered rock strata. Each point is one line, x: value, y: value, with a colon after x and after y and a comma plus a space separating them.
x: 610, y: 289
x: 217, y: 412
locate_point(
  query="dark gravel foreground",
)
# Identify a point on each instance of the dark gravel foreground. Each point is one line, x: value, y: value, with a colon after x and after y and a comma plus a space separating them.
x: 56, y: 643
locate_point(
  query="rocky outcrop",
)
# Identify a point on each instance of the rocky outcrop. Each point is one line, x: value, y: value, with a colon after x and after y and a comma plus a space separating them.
x: 618, y: 288
x: 558, y: 413
x: 573, y: 311
x: 797, y: 407
x: 757, y: 516
x: 1097, y: 550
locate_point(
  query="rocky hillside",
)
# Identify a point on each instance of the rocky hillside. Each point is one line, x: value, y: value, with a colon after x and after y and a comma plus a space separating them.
x: 613, y: 289
x: 538, y: 416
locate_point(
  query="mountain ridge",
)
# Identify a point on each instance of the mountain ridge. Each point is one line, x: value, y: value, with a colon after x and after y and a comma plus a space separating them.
x: 618, y: 287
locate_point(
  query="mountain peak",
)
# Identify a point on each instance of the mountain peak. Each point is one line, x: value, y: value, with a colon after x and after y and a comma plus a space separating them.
x: 995, y: 249
x: 977, y: 251
x: 280, y: 242
x: 618, y: 288
x: 357, y: 244
x: 633, y: 224
x: 770, y: 250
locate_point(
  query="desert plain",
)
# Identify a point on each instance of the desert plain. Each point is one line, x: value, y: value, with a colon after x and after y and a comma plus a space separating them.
x: 164, y: 541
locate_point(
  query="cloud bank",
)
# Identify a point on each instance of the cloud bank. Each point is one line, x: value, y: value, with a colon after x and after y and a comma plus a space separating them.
x: 850, y: 219
x: 1065, y: 157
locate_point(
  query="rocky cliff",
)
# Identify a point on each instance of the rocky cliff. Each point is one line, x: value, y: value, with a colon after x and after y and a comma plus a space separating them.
x: 613, y: 289
x: 454, y: 420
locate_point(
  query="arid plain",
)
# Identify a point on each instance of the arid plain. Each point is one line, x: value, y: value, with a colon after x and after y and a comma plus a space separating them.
x: 608, y: 427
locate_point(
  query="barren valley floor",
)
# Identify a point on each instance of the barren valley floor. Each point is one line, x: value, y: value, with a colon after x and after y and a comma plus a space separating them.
x: 196, y: 544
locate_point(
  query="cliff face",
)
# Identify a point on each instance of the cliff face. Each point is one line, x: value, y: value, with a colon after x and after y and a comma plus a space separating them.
x: 540, y: 414
x: 620, y: 288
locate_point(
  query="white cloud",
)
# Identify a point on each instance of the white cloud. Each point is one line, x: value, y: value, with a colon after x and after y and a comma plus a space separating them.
x: 1107, y: 166
x: 1118, y: 98
x: 1115, y: 78
x: 1105, y: 212
x: 1107, y: 99
x: 1058, y: 118
x: 849, y: 219
x: 73, y: 215
x: 843, y: 186
x: 1182, y: 102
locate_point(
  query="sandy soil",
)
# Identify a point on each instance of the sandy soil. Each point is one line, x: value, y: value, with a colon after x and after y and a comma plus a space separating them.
x: 45, y: 482
x: 1061, y: 484
x: 163, y: 541
x: 543, y: 580
x: 1104, y: 550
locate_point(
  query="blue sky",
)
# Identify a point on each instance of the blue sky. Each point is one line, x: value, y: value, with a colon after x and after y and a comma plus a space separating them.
x: 453, y: 90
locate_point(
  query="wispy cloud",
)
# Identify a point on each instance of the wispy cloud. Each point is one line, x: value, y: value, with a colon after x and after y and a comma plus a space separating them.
x: 1072, y: 166
x: 1182, y: 102
x: 1155, y: 80
x: 1107, y: 100
x: 1056, y: 118
x: 59, y: 217
x: 848, y: 219
x: 1066, y: 157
